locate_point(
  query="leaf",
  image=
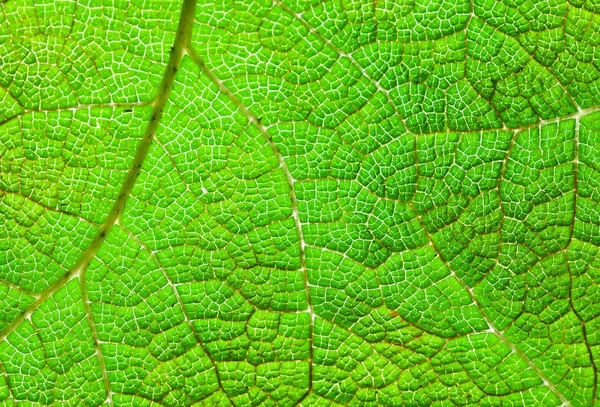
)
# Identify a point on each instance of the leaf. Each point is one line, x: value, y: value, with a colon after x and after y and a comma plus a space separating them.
x: 339, y: 203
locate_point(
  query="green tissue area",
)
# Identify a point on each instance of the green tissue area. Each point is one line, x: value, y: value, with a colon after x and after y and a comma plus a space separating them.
x: 430, y: 155
x: 63, y: 53
x: 60, y: 172
x: 210, y: 301
x: 444, y: 65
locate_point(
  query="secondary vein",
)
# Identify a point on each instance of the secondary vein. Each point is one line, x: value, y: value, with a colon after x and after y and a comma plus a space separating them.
x: 290, y: 181
x: 184, y: 30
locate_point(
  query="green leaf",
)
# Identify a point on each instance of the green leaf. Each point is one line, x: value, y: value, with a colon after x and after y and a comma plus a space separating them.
x: 268, y: 203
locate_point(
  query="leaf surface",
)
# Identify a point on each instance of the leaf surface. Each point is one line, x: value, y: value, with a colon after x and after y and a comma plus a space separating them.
x: 322, y: 203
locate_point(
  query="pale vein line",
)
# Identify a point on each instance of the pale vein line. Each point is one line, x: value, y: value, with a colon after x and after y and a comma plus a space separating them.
x: 343, y: 54
x: 19, y: 289
x: 76, y: 108
x: 5, y: 193
x: 495, y: 331
x: 10, y: 391
x: 481, y: 310
x: 566, y: 250
x: 97, y: 349
x: 290, y: 181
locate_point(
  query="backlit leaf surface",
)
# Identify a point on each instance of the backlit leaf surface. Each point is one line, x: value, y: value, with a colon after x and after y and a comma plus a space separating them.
x: 320, y: 203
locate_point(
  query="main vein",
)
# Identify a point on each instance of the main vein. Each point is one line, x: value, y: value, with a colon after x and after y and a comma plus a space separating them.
x: 182, y: 36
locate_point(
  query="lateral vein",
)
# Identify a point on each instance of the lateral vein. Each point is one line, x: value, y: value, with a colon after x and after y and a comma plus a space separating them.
x: 290, y: 181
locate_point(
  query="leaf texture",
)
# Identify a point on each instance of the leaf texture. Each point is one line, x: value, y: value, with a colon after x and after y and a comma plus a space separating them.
x: 315, y: 203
